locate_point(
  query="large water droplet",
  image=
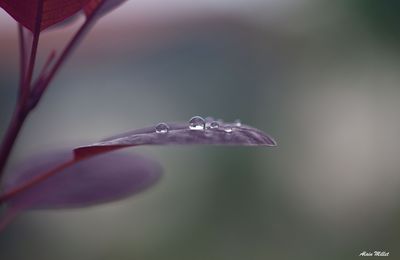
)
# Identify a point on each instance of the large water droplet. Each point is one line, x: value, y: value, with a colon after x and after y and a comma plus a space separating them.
x: 228, y: 129
x: 237, y: 122
x: 214, y: 125
x: 197, y: 123
x: 162, y: 128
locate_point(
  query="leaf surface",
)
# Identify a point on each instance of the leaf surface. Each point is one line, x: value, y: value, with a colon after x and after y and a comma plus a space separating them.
x: 53, y: 11
x: 105, y: 7
x: 100, y: 179
x: 180, y: 134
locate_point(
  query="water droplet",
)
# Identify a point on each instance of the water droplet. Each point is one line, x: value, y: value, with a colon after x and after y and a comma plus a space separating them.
x: 208, y: 120
x: 228, y: 129
x: 197, y: 123
x: 237, y: 122
x: 214, y: 125
x: 162, y: 128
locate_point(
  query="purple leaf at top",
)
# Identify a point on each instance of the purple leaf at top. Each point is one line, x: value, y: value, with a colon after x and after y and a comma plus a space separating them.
x: 47, y: 12
x: 100, y: 179
x: 106, y: 7
x: 211, y: 133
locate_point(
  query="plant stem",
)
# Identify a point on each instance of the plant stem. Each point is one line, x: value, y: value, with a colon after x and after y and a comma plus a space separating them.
x: 42, y: 85
x: 8, y: 217
x: 21, y: 110
x: 27, y: 83
x: 14, y: 128
x: 22, y: 57
x: 29, y: 99
x: 19, y: 115
x: 4, y: 197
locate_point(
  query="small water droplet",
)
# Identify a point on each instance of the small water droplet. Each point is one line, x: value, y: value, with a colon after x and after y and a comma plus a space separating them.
x: 162, y: 128
x: 228, y: 129
x: 208, y: 120
x: 197, y: 123
x: 214, y: 125
x: 237, y: 122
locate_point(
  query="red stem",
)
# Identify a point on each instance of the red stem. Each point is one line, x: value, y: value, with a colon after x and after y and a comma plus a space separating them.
x: 26, y: 86
x: 17, y: 120
x: 19, y: 115
x: 22, y: 56
x: 7, y: 195
x: 49, y: 60
x: 41, y: 86
x: 21, y: 110
x: 8, y: 217
x: 29, y: 100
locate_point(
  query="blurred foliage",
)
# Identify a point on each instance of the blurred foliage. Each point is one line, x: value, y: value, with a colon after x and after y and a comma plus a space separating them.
x: 381, y: 16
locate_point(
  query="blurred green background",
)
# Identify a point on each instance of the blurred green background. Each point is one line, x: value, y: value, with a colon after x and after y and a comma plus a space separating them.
x: 322, y: 77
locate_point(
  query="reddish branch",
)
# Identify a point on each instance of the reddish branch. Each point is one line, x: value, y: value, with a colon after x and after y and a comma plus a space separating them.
x: 21, y: 111
x: 22, y: 56
x: 4, y: 197
x: 30, y: 96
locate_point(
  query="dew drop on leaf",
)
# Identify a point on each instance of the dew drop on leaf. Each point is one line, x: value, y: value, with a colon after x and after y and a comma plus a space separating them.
x: 214, y: 125
x: 197, y: 123
x: 237, y: 122
x: 228, y: 129
x: 162, y: 128
x: 181, y: 134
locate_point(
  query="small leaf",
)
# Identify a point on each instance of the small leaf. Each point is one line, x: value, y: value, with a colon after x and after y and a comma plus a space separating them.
x: 181, y: 134
x: 53, y: 11
x: 103, y: 178
x: 106, y: 7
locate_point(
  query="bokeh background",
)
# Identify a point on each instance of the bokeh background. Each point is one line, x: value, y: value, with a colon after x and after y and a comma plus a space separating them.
x: 322, y: 77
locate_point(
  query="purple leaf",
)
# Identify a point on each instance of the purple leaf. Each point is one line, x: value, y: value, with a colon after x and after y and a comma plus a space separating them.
x: 181, y: 134
x: 100, y: 179
x: 67, y: 22
x: 50, y: 12
x: 106, y: 7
